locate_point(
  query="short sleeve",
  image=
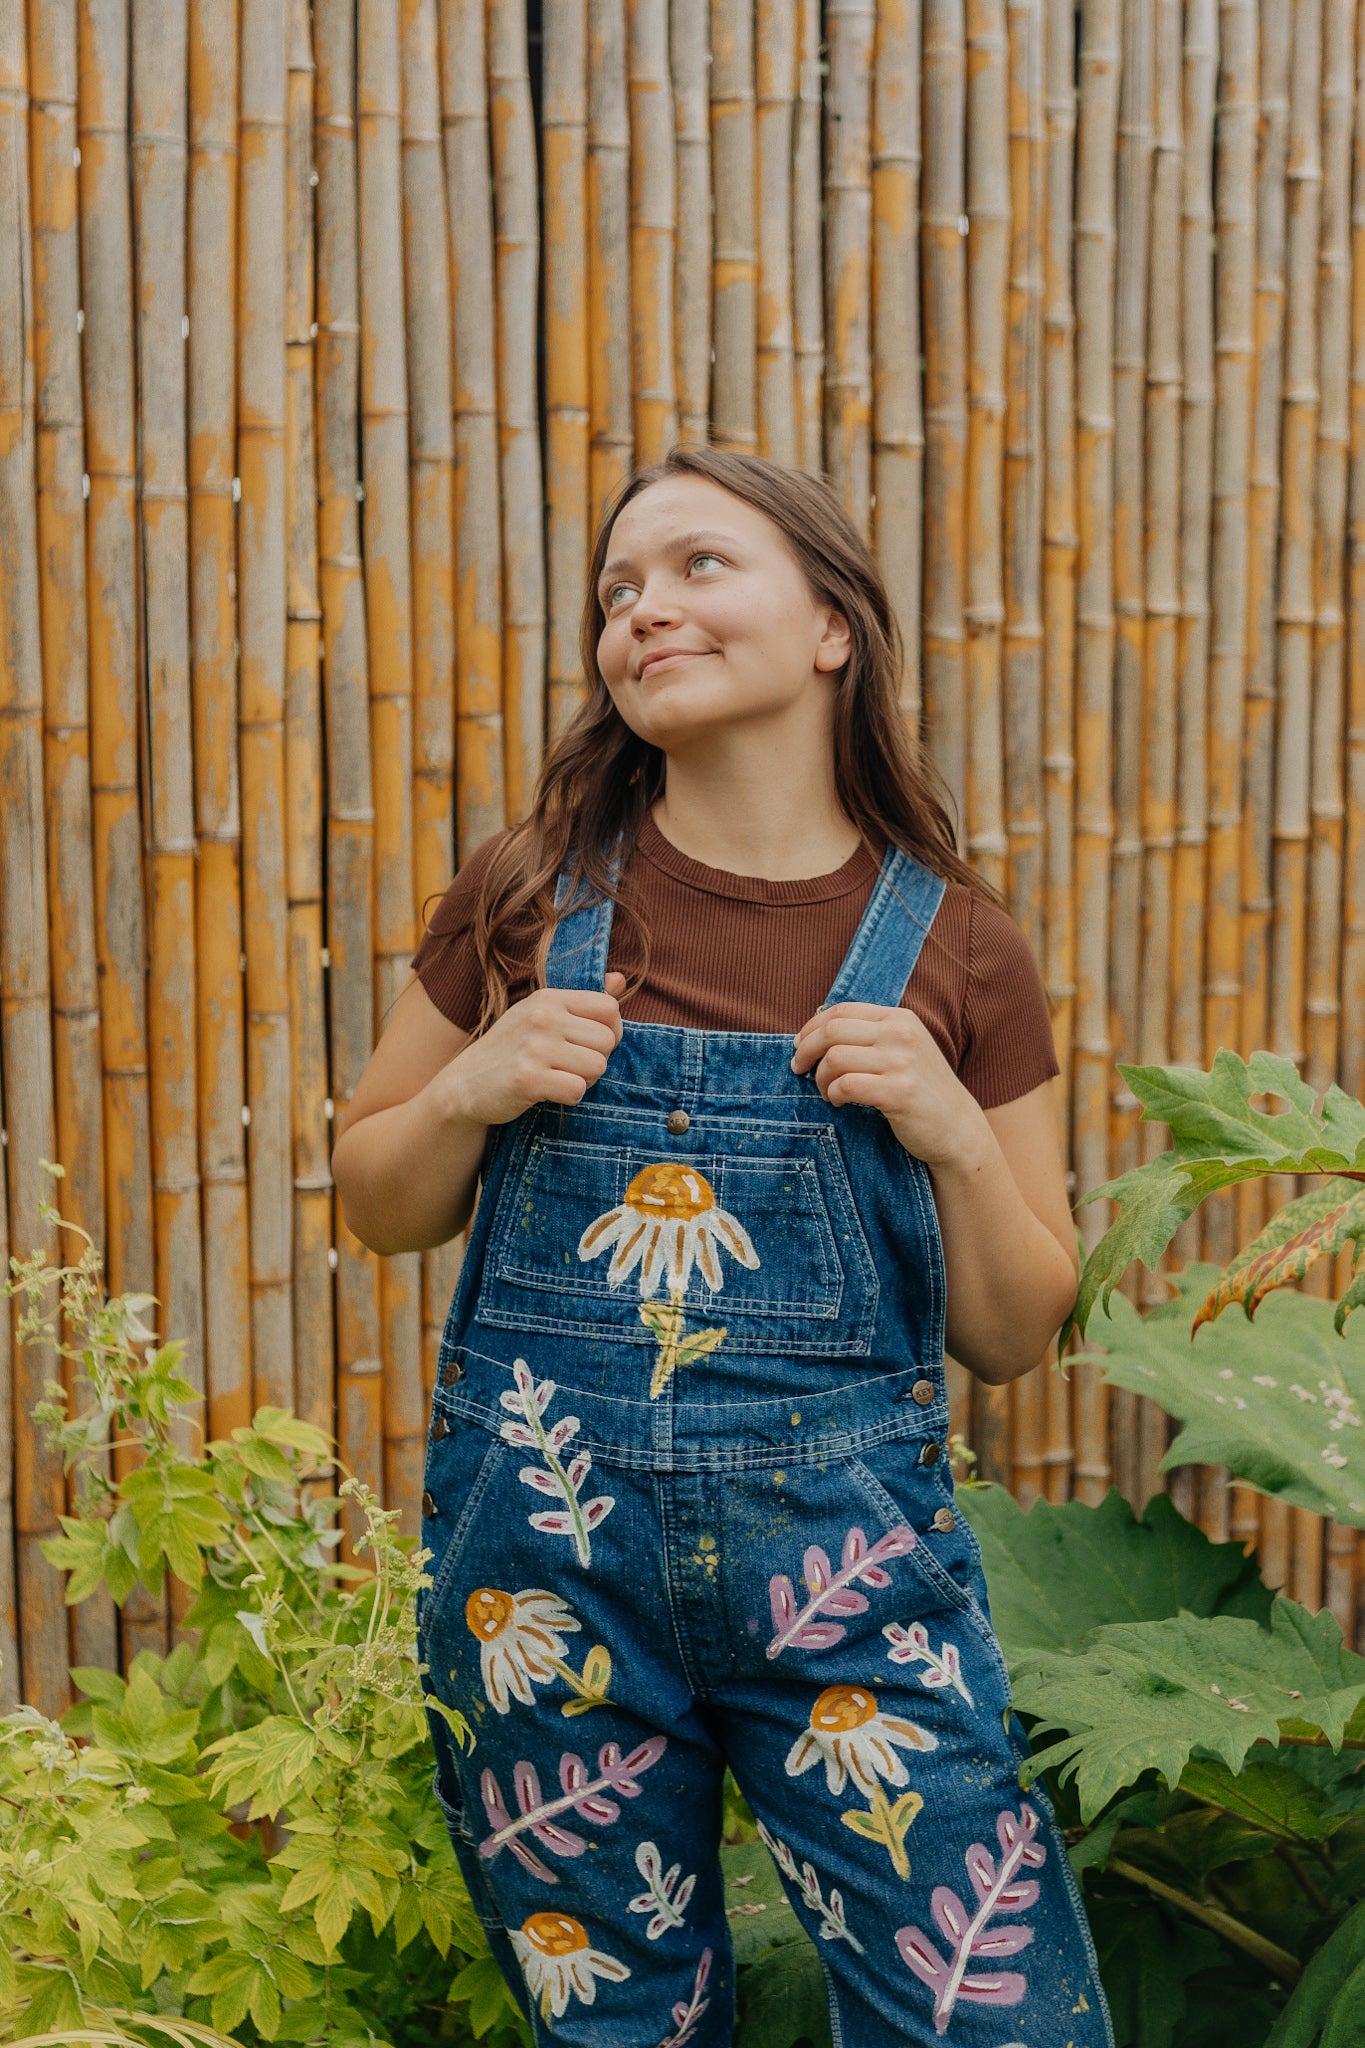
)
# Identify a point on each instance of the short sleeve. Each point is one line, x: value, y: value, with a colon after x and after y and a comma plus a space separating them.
x: 446, y: 961
x: 1008, y: 1048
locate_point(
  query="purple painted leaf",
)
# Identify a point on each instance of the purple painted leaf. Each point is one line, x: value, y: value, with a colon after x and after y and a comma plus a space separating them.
x: 550, y: 1836
x: 819, y: 1635
x: 873, y: 1575
x: 1001, y: 1941
x: 897, y: 1542
x: 621, y: 1773
x: 1004, y: 1987
x: 846, y: 1601
x: 855, y: 1546
x: 951, y: 1915
x: 919, y: 1953
x: 816, y: 1570
x: 527, y: 1781
x: 494, y: 1805
x: 525, y: 1855
x: 980, y: 1868
x: 595, y: 1511
x: 555, y: 1523
x: 781, y: 1599
x: 1017, y: 1898
x: 537, y: 1476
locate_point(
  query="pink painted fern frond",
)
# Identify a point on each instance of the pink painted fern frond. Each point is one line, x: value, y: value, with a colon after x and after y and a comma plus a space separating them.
x: 686, y: 2017
x: 968, y: 1933
x: 831, y: 1592
x: 582, y: 1794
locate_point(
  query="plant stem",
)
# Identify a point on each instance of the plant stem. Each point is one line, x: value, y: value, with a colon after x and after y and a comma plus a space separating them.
x: 1269, y: 1954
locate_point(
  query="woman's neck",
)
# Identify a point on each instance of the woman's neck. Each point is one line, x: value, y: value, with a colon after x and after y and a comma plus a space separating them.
x: 779, y: 819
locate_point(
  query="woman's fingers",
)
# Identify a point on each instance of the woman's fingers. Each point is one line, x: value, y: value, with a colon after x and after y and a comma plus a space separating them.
x: 829, y: 1030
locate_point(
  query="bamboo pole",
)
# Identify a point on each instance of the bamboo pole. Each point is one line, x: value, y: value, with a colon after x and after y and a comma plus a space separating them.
x: 431, y: 430
x: 261, y: 612
x: 1234, y: 319
x: 1134, y: 182
x: 944, y: 274
x: 1160, y: 689
x: 211, y: 419
x: 388, y: 612
x: 60, y: 511
x: 111, y: 542
x: 112, y: 578
x: 1326, y: 792
x: 1022, y: 639
x: 611, y: 438
x: 481, y: 799
x: 564, y: 144
x: 1352, y: 1053
x: 689, y: 65
x: 988, y: 265
x: 1094, y: 262
x: 734, y: 261
x: 25, y: 1018
x: 775, y: 78
x: 653, y: 225
x: 897, y: 404
x: 1060, y: 543
x: 160, y: 116
x: 1263, y: 515
x: 849, y: 28
x: 516, y: 267
x: 310, y: 1134
x: 808, y: 303
x: 350, y: 802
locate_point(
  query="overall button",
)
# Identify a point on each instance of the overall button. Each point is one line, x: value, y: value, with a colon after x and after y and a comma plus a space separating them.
x: 923, y: 1392
x: 451, y: 1372
x: 678, y: 1122
x: 429, y: 1507
x: 944, y: 1520
x: 440, y: 1428
x: 929, y: 1455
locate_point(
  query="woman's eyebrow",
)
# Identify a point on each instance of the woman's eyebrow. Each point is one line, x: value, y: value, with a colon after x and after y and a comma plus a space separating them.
x: 681, y: 543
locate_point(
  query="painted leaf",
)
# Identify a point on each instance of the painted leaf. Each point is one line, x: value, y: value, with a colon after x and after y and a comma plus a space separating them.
x: 1219, y: 1138
x: 1318, y: 1225
x: 595, y: 1511
x: 972, y: 1935
x: 539, y: 1478
x: 1142, y: 1695
x: 781, y: 1599
x: 1056, y: 1572
x: 1281, y: 1404
x: 554, y: 1523
x: 1005, y: 1987
x: 819, y: 1635
x: 816, y: 1570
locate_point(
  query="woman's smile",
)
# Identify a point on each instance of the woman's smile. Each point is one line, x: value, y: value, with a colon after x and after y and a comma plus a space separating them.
x: 653, y: 664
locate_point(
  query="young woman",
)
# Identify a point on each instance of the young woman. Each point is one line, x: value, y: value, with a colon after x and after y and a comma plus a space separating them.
x: 753, y: 1078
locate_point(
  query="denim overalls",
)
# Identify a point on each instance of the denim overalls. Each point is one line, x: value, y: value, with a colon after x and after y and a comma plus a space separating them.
x: 689, y: 1505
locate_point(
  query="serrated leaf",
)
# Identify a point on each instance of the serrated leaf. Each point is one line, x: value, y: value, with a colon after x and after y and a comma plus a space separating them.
x: 1058, y: 1571
x: 1317, y: 1225
x: 1142, y: 1696
x: 1329, y: 1972
x: 1145, y: 1959
x: 1281, y: 1404
x: 782, y: 1999
x: 1271, y: 1795
x: 479, y: 1987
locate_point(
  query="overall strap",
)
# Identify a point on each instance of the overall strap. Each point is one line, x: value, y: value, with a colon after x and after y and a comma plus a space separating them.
x: 894, y: 926
x: 578, y: 950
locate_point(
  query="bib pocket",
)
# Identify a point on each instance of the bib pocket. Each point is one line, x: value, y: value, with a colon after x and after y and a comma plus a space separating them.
x: 752, y: 1227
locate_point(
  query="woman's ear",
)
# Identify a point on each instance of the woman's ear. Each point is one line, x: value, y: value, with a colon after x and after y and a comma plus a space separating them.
x: 836, y: 641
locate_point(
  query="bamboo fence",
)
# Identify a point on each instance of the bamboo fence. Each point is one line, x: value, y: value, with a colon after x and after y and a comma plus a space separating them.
x: 325, y: 332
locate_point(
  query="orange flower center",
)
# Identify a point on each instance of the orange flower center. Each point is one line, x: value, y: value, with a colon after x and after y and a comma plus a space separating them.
x: 555, y: 1934
x: 677, y: 1192
x: 842, y: 1708
x: 487, y: 1611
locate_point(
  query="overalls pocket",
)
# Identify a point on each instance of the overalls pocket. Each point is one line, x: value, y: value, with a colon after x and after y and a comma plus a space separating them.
x: 752, y: 1226
x: 461, y: 1467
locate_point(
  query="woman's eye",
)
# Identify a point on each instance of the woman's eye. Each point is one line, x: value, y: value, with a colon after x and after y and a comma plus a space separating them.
x: 703, y: 555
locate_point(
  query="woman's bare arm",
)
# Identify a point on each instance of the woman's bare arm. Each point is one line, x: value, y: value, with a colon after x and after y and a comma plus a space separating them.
x: 406, y: 1162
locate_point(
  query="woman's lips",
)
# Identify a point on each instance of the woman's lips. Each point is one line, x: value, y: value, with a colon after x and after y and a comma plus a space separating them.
x: 663, y: 661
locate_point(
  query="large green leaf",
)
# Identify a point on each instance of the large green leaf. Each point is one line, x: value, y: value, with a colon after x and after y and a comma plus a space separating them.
x: 1218, y: 1139
x: 1320, y: 1994
x: 1143, y: 1696
x: 1145, y: 1955
x: 1056, y: 1572
x: 1280, y: 1403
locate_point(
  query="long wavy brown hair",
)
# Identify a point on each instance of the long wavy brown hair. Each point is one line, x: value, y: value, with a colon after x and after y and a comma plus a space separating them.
x: 600, y: 778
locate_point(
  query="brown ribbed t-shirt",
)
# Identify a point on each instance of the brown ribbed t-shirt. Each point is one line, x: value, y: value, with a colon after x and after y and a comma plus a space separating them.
x: 737, y: 953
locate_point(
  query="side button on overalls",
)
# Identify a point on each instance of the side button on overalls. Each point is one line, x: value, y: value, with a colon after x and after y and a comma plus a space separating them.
x: 688, y: 1505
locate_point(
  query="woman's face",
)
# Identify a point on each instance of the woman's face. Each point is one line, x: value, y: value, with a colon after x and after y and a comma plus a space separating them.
x: 708, y: 621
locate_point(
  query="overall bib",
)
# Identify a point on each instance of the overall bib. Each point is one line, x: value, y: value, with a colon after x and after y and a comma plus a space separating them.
x: 688, y: 1504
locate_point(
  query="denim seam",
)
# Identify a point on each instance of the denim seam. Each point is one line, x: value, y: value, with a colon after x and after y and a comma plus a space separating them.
x: 664, y: 1500
x: 836, y: 2025
x: 921, y: 1558
x: 460, y: 1533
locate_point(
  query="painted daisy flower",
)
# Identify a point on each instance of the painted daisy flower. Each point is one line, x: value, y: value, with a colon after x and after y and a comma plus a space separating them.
x: 854, y: 1740
x: 668, y: 1222
x: 556, y: 1959
x: 520, y: 1638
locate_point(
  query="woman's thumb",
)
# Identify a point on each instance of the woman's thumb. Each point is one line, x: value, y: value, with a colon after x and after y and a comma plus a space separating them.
x: 616, y: 984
